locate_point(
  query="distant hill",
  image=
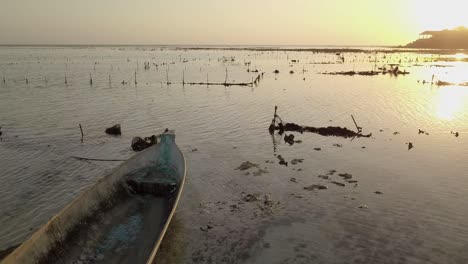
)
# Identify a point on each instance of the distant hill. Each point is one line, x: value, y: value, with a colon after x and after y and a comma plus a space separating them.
x: 445, y: 39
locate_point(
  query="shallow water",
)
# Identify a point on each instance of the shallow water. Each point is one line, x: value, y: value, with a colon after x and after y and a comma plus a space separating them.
x: 419, y: 218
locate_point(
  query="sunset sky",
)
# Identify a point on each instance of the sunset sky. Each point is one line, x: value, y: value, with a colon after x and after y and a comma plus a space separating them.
x: 236, y: 22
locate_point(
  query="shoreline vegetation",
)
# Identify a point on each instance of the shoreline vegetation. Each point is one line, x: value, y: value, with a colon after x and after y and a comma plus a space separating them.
x: 456, y: 38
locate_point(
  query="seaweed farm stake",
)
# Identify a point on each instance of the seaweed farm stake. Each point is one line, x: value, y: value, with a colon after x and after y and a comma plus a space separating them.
x: 167, y: 76
x: 359, y: 129
x: 82, y: 135
x: 225, y: 79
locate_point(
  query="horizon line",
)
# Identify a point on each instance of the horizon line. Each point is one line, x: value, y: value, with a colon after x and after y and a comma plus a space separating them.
x: 190, y: 45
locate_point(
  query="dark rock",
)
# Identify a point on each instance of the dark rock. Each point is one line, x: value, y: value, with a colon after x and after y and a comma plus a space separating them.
x: 410, y: 145
x: 325, y: 177
x: 114, y: 130
x: 139, y: 144
x: 378, y: 192
x: 293, y: 180
x: 317, y: 149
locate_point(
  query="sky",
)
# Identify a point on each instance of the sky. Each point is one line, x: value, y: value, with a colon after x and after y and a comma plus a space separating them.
x: 225, y: 22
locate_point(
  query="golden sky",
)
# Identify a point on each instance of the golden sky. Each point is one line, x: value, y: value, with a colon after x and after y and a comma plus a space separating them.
x: 227, y: 22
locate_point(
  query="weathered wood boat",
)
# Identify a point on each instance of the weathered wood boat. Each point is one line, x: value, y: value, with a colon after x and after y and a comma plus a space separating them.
x: 120, y: 219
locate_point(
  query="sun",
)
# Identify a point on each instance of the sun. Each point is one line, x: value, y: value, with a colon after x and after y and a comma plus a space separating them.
x: 439, y: 15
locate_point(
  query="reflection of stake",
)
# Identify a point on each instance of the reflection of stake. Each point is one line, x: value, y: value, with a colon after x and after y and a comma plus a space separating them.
x: 359, y: 129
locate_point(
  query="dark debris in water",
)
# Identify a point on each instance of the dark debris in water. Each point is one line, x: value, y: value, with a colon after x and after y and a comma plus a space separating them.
x: 323, y: 131
x: 410, y: 145
x: 296, y: 161
x: 339, y: 183
x: 315, y: 187
x: 345, y: 176
x: 247, y: 165
x: 282, y: 161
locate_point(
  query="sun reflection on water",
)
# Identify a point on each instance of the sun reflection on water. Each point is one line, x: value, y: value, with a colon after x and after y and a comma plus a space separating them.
x: 451, y: 101
x: 460, y: 56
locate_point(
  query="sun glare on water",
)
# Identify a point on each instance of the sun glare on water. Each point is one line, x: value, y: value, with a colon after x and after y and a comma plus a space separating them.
x: 450, y: 102
x: 460, y: 56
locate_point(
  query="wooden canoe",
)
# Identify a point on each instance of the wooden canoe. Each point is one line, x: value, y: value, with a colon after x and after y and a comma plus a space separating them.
x: 120, y: 219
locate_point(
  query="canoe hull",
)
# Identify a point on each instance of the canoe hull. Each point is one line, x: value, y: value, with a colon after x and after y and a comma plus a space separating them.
x: 48, y: 243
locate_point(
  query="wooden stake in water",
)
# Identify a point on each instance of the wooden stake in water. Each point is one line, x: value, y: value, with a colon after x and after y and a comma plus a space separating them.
x: 183, y: 77
x: 81, y: 129
x: 136, y: 82
x: 359, y: 129
x: 167, y: 76
x: 66, y: 82
x: 225, y: 79
x: 90, y: 79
